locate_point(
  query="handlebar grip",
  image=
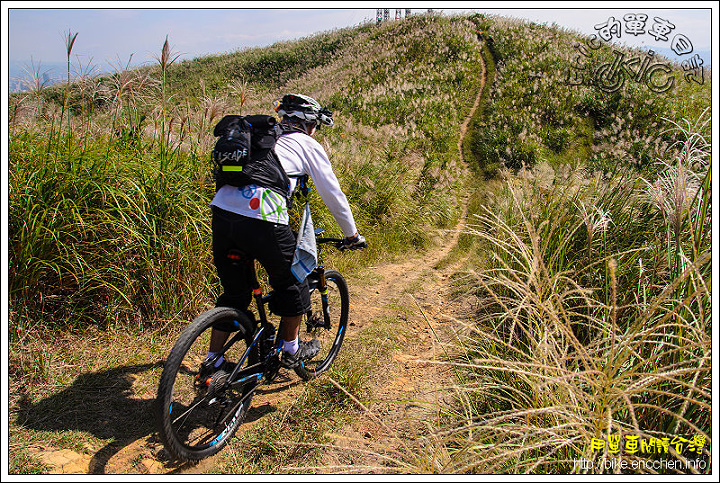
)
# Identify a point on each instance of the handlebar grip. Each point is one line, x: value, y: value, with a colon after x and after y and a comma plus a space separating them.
x: 338, y: 242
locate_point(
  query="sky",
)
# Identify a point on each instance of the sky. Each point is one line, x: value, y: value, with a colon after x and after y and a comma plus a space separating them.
x: 113, y: 34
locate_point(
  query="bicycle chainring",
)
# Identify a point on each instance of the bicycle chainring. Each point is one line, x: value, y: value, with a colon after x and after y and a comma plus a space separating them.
x: 272, y: 367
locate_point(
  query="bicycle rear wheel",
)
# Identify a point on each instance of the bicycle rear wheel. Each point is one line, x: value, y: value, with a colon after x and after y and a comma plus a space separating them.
x: 330, y: 333
x: 196, y: 413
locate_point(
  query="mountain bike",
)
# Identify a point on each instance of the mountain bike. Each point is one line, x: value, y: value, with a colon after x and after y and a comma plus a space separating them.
x: 199, y: 407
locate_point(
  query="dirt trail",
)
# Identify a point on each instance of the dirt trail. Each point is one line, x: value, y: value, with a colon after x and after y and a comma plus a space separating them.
x: 408, y: 391
x: 413, y: 293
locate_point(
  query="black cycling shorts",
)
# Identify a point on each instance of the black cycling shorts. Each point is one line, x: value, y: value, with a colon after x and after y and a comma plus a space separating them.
x: 271, y: 244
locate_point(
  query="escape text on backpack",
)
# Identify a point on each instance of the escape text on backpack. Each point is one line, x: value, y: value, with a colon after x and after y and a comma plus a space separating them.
x: 244, y: 153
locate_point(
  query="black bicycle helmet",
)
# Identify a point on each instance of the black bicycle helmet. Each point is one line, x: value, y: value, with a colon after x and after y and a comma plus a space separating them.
x: 304, y: 108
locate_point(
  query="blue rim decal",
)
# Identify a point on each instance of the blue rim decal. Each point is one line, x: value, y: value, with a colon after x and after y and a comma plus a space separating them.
x: 227, y: 427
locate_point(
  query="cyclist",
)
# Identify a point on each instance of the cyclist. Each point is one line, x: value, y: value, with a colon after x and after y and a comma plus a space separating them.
x: 255, y: 220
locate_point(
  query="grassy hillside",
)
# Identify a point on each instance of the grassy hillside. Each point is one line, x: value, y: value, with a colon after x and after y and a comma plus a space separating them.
x: 113, y: 226
x: 586, y: 262
x: 592, y: 276
x: 546, y: 104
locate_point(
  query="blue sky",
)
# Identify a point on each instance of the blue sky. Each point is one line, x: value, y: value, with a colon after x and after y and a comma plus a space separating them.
x: 109, y: 35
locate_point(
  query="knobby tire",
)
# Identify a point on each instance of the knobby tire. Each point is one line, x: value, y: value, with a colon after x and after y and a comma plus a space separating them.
x: 330, y: 339
x: 196, y: 419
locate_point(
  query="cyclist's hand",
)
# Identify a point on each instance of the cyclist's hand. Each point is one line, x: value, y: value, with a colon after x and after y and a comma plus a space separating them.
x: 355, y: 242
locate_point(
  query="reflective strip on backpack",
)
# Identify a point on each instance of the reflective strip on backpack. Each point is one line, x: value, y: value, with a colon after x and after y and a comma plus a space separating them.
x: 232, y: 168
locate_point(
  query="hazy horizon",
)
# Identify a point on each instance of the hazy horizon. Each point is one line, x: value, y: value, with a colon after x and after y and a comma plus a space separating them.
x: 110, y: 37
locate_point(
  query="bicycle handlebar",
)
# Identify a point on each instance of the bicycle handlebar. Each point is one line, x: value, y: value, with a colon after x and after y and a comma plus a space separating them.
x: 338, y: 242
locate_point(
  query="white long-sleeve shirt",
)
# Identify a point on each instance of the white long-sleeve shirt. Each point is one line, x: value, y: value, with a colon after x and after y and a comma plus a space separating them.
x: 299, y: 155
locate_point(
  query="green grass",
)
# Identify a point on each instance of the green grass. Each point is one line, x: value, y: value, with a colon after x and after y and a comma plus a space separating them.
x: 24, y: 463
x: 588, y: 324
x: 587, y: 260
x: 295, y: 435
x: 111, y: 178
x: 535, y: 114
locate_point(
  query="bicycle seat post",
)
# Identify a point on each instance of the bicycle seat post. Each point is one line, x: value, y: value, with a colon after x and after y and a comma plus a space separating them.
x: 258, y: 295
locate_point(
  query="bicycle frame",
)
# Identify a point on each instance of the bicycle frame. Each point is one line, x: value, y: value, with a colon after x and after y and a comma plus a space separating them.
x: 269, y: 361
x: 198, y: 409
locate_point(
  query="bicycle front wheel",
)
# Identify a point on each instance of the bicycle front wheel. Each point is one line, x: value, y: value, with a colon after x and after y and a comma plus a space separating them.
x: 327, y: 322
x: 196, y: 411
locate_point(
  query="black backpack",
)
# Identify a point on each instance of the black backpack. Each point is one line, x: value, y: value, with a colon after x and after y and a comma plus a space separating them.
x: 244, y: 153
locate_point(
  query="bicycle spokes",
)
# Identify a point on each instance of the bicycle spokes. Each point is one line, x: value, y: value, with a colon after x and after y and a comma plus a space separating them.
x: 326, y: 322
x: 201, y: 406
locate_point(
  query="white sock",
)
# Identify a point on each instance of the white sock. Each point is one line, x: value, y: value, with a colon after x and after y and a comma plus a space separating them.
x: 217, y: 362
x: 291, y: 346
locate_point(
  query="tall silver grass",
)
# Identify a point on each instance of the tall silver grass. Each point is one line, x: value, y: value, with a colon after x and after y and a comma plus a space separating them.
x: 540, y: 389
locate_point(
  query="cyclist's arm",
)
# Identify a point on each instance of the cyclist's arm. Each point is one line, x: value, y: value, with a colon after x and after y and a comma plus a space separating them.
x: 320, y: 170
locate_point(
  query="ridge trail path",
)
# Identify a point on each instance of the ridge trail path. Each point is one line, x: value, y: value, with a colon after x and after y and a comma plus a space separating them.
x: 410, y: 298
x: 407, y: 391
x: 413, y: 294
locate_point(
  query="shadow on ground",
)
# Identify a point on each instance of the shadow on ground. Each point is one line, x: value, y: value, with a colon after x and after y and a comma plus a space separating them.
x: 100, y: 403
x: 106, y: 405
